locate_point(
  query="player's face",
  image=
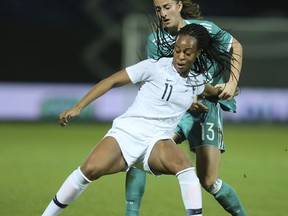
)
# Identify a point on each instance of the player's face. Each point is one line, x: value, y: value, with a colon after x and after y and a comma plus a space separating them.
x: 185, y: 53
x: 169, y: 12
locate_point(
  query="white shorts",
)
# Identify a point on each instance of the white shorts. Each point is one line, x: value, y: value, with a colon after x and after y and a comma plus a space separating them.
x: 136, y: 139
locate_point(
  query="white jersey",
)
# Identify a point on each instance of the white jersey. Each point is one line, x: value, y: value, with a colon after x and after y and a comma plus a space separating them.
x: 163, y: 94
x: 163, y: 98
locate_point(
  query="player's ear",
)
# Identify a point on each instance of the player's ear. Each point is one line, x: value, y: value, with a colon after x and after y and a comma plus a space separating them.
x: 180, y: 5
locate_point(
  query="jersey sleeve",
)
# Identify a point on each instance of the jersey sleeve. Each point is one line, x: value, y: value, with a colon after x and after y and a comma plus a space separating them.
x: 227, y: 37
x: 152, y: 47
x: 141, y: 71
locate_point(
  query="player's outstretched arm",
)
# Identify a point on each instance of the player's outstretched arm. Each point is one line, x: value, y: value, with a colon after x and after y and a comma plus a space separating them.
x: 118, y: 79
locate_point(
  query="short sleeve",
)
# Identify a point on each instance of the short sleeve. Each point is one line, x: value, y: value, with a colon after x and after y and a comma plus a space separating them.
x: 152, y: 47
x: 140, y: 72
x: 227, y: 37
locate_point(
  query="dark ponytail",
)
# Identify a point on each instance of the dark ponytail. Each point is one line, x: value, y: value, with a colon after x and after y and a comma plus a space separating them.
x: 190, y: 10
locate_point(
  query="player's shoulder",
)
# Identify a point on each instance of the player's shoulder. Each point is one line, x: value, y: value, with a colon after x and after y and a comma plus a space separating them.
x: 161, y: 64
x: 209, y: 25
x: 153, y: 63
x: 199, y: 21
x: 164, y: 61
x: 152, y: 36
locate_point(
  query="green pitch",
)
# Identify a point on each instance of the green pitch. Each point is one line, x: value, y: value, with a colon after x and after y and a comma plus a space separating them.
x: 35, y: 159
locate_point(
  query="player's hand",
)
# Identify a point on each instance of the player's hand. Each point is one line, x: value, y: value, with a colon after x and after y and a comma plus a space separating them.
x: 237, y: 91
x: 70, y: 113
x: 197, y: 106
x: 229, y: 90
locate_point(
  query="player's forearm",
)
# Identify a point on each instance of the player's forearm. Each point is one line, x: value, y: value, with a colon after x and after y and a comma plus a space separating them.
x: 236, y: 62
x: 117, y: 79
x: 97, y: 91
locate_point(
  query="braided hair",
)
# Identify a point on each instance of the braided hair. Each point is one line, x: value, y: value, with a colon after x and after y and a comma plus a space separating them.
x: 212, y: 49
x: 211, y: 46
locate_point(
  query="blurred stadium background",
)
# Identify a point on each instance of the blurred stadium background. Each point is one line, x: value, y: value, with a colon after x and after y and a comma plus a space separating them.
x: 52, y: 52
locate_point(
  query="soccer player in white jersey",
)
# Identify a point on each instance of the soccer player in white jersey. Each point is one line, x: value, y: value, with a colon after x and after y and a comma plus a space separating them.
x: 201, y: 125
x: 141, y: 137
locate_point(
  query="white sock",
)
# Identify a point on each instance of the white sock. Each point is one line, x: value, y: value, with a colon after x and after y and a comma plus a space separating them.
x: 191, y: 191
x: 69, y: 191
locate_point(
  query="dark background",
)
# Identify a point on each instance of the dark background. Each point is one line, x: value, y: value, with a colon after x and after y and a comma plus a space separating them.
x: 48, y: 41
